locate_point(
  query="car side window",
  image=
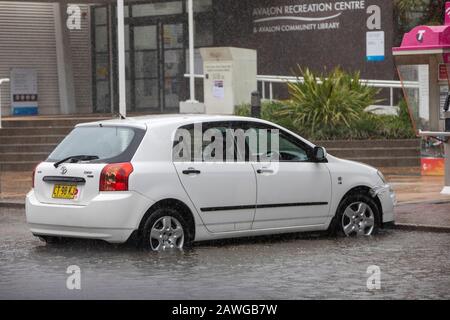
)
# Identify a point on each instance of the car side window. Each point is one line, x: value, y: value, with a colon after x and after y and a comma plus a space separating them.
x: 206, y: 142
x: 264, y: 142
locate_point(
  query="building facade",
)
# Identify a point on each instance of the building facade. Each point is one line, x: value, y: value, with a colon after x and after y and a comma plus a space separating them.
x: 77, y: 67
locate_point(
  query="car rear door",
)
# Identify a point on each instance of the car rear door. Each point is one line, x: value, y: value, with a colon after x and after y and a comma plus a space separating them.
x: 223, y: 192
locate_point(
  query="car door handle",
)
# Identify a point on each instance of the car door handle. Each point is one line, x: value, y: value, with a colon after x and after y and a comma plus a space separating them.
x: 191, y: 171
x: 264, y: 170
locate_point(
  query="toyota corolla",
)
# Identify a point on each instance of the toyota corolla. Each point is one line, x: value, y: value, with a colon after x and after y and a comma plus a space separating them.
x: 168, y: 181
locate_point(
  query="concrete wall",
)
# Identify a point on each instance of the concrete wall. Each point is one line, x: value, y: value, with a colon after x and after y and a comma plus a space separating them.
x: 27, y: 40
x: 280, y: 51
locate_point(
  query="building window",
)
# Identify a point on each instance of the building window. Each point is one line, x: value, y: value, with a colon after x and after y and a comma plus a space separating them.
x: 102, y: 93
x: 156, y: 36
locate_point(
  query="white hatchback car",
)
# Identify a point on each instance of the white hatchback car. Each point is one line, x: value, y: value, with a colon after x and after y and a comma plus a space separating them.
x: 127, y: 179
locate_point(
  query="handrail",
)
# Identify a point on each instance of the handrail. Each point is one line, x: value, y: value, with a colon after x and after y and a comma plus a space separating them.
x: 434, y: 133
x: 4, y: 80
x: 271, y: 79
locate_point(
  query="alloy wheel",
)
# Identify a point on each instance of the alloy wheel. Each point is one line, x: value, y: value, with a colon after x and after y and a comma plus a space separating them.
x: 166, y: 233
x: 358, y: 219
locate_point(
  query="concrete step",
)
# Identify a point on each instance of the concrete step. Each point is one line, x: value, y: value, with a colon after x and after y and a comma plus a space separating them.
x: 29, y: 131
x: 402, y: 143
x: 37, y: 139
x: 18, y: 166
x: 375, y: 152
x: 25, y: 156
x: 11, y: 148
x: 389, y: 162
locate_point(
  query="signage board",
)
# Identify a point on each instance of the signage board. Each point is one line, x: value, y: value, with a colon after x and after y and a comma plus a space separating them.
x: 375, y: 46
x: 24, y: 91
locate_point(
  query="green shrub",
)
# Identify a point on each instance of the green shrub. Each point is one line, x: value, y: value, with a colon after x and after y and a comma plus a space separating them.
x: 269, y: 111
x: 368, y: 126
x: 336, y: 100
x: 333, y: 108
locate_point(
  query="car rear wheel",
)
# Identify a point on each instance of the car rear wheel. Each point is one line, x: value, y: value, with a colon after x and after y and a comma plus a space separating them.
x: 165, y: 229
x: 358, y: 215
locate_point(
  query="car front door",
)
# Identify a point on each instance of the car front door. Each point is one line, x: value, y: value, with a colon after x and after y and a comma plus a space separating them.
x: 222, y: 190
x: 293, y: 190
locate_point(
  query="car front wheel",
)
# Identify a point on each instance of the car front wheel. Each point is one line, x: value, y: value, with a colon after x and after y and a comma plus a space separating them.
x: 358, y: 215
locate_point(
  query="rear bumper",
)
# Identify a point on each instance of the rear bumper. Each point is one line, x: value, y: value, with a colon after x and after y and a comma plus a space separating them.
x: 109, y: 216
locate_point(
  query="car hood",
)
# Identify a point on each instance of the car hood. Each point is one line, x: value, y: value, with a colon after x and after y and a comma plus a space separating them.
x: 354, y: 164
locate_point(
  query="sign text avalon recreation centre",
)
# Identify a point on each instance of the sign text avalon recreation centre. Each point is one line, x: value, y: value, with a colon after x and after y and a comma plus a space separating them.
x: 302, y: 16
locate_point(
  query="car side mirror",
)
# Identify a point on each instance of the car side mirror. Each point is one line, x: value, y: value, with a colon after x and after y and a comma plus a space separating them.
x: 320, y: 154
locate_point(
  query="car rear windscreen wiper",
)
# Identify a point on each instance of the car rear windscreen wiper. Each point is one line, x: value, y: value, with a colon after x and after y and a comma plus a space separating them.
x: 76, y: 158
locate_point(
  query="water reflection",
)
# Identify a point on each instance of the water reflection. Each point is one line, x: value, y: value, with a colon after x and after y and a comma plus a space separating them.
x: 287, y: 267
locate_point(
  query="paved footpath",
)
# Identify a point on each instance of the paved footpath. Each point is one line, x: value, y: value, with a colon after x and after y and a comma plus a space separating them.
x: 424, y: 216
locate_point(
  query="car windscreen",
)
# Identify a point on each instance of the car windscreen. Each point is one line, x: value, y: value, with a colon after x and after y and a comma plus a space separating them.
x: 108, y: 143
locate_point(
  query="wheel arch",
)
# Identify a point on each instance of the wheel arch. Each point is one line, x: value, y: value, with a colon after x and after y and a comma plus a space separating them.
x: 364, y: 190
x: 173, y: 203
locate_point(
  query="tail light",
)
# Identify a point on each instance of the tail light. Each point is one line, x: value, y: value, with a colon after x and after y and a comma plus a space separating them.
x: 33, y: 176
x: 114, y: 177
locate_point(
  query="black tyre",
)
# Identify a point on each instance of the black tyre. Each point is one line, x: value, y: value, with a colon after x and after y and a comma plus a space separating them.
x: 357, y: 215
x: 165, y: 229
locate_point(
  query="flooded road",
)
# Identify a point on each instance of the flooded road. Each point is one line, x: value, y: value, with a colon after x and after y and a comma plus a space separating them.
x: 413, y: 265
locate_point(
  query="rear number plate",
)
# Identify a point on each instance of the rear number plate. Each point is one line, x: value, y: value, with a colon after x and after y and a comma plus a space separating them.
x: 64, y: 191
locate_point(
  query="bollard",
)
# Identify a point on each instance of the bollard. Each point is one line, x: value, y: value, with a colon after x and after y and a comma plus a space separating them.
x: 256, y: 105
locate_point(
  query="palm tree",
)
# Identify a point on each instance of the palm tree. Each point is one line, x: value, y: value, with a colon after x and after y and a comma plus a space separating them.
x: 433, y: 10
x: 411, y: 13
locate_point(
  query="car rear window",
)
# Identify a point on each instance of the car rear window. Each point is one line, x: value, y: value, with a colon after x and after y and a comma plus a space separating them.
x: 109, y: 144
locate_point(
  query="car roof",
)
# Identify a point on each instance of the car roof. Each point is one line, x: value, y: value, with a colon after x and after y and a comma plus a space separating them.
x: 167, y: 119
x: 177, y: 120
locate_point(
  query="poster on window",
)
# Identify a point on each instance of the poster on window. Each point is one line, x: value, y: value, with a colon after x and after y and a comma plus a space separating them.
x: 24, y: 91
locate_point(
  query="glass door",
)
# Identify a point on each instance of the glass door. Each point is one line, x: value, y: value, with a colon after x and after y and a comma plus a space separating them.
x: 157, y: 72
x: 145, y: 75
x: 173, y: 65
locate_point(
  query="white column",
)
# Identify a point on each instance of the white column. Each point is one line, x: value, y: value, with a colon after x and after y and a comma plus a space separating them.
x: 66, y: 84
x: 191, y: 51
x: 121, y: 55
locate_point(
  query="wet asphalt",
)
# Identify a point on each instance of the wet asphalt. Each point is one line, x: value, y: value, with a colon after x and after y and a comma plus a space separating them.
x: 412, y: 264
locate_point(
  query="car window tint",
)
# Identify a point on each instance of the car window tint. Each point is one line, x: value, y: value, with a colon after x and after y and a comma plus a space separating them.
x: 186, y: 140
x: 103, y: 142
x: 288, y: 148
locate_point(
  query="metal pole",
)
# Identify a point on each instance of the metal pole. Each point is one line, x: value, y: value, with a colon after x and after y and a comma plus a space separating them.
x: 191, y: 51
x: 1, y: 82
x: 121, y: 55
x: 263, y: 90
x: 271, y: 91
x: 391, y: 91
x: 256, y: 105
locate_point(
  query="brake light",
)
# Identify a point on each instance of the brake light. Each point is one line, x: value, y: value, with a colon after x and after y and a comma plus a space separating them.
x: 33, y: 176
x: 114, y: 177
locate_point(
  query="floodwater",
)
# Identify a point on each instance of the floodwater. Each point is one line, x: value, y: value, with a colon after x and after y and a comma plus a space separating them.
x: 412, y: 264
